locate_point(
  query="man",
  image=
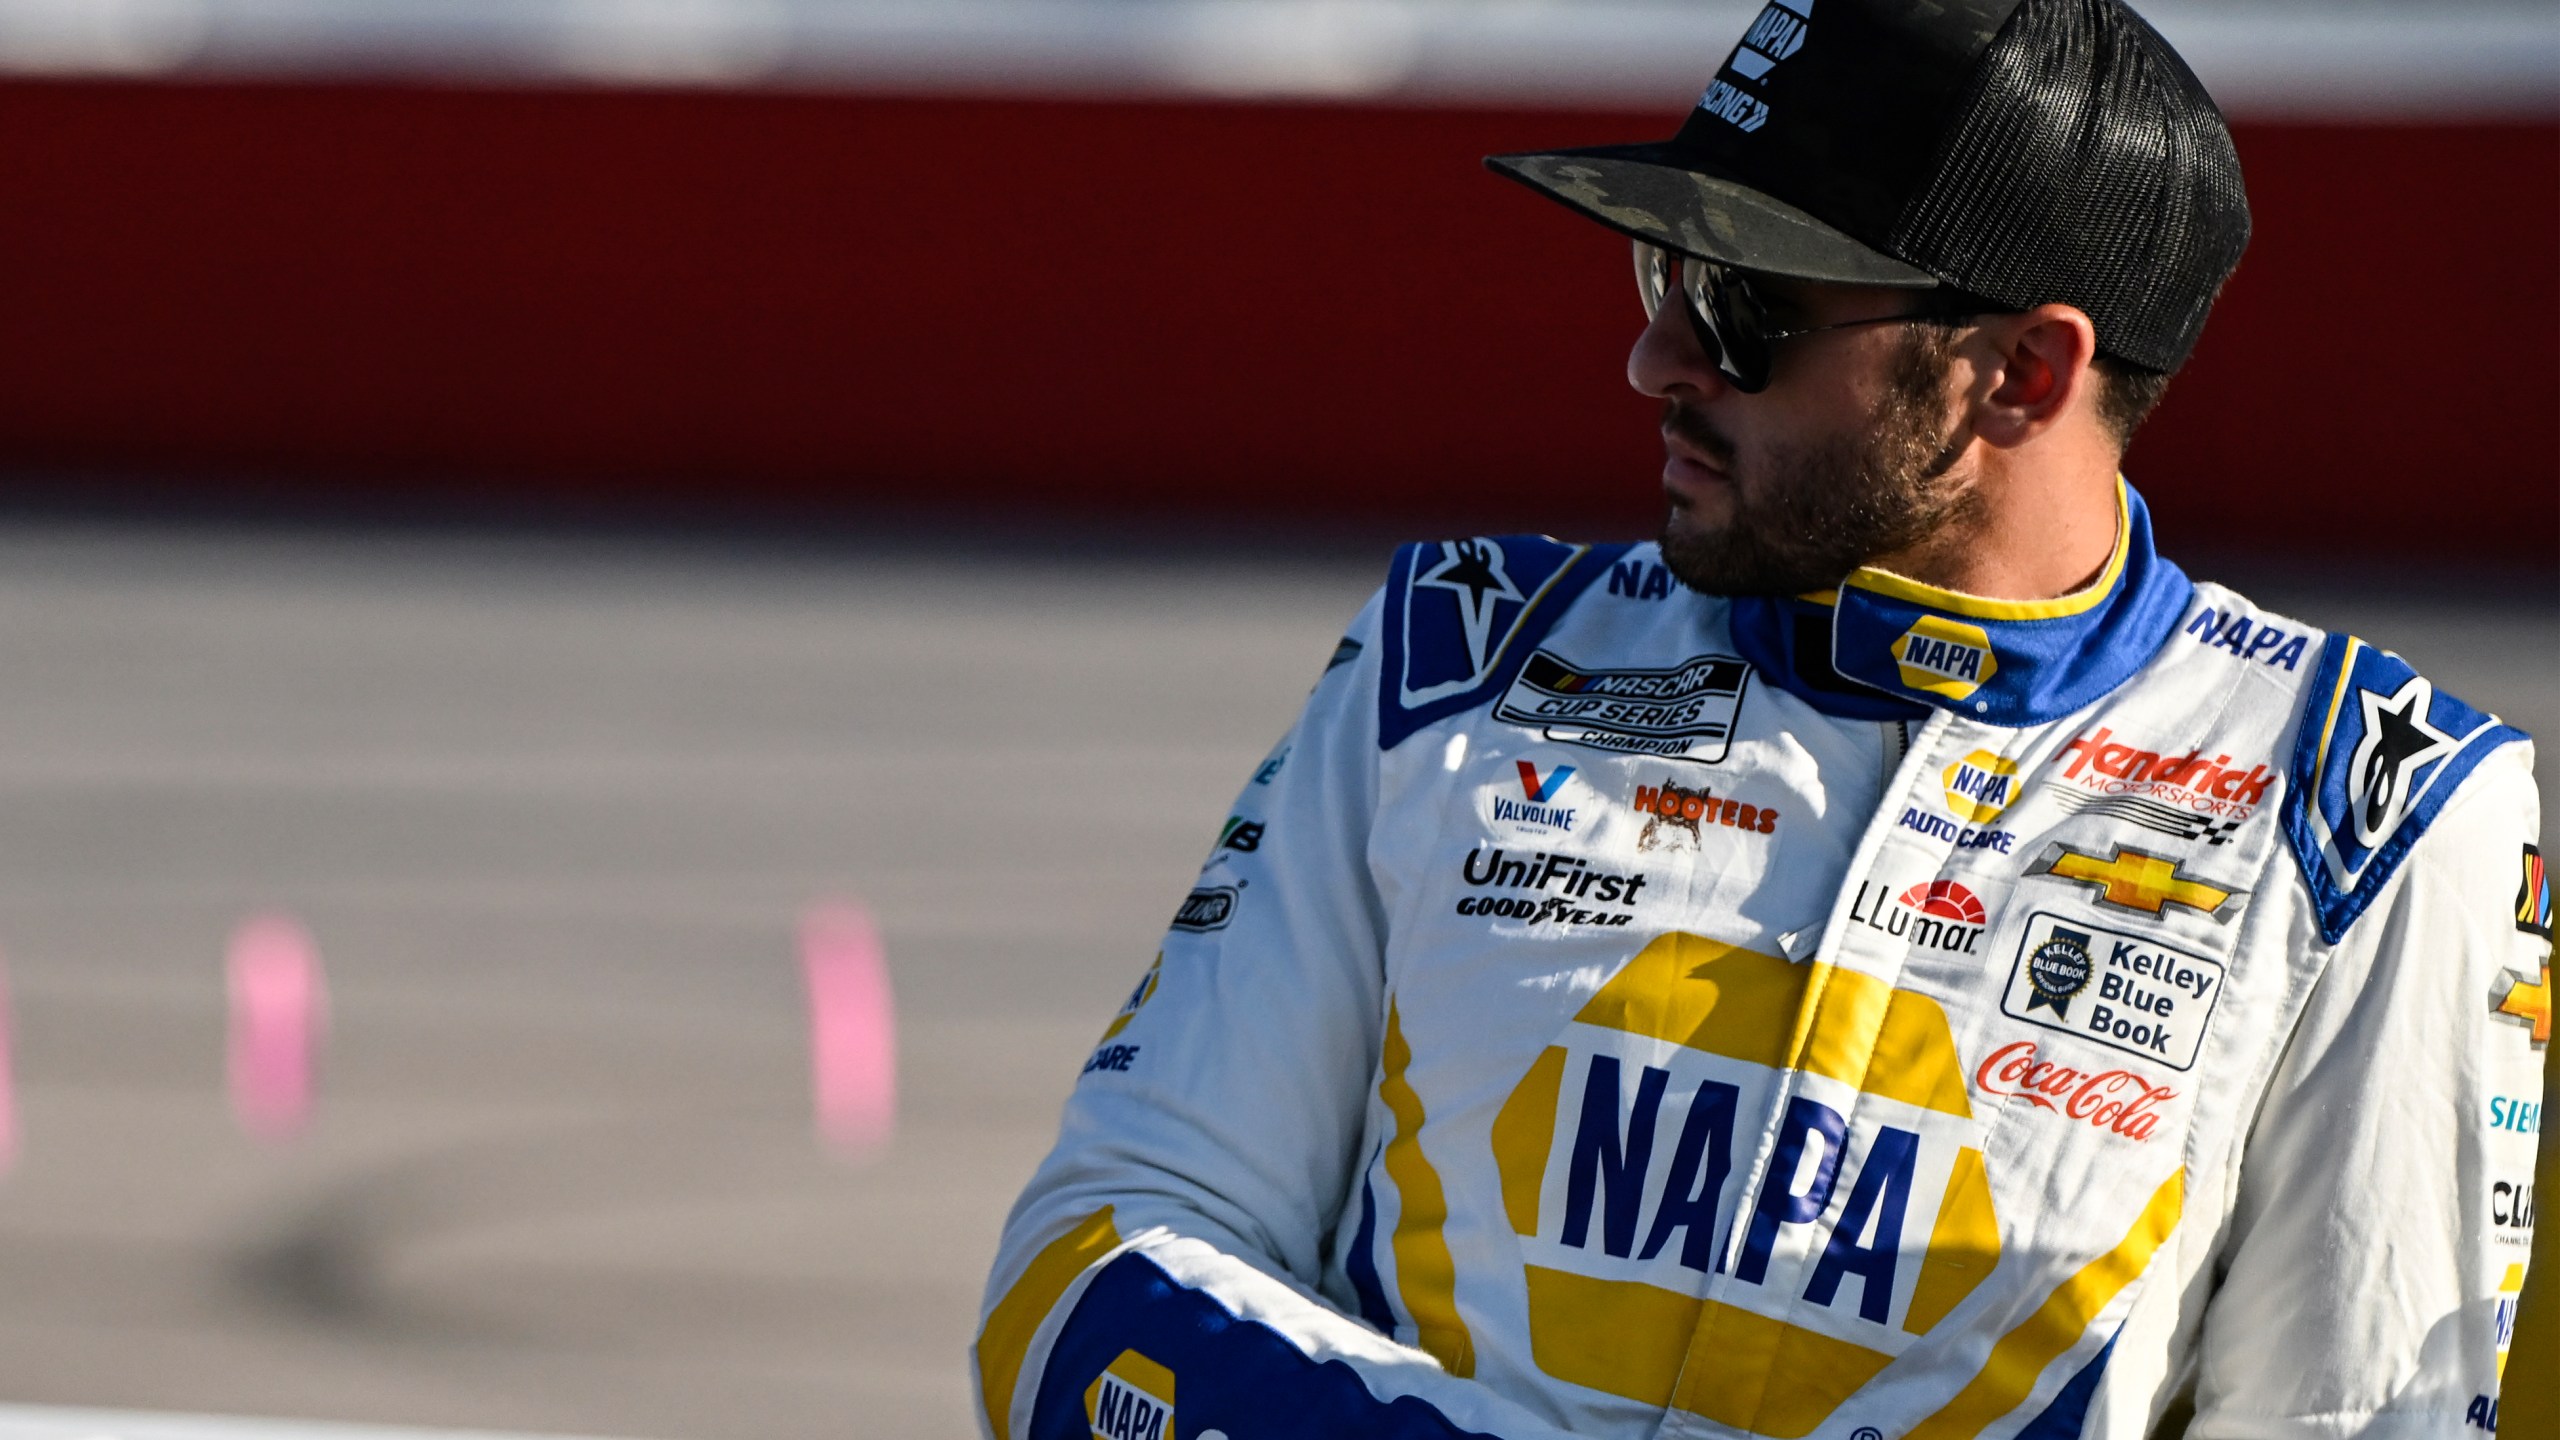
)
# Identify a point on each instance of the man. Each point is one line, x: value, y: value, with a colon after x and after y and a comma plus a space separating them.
x: 1932, y: 972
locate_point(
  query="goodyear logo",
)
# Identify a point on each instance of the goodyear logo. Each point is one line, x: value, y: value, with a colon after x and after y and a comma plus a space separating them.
x: 1132, y: 1399
x: 1627, y: 1170
x: 1947, y: 658
x: 1980, y: 786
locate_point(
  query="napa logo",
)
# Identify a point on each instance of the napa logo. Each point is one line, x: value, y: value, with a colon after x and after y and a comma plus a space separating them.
x: 2503, y: 1316
x: 1943, y: 657
x: 1627, y: 1153
x: 1132, y: 1399
x: 1137, y: 1000
x: 1980, y: 786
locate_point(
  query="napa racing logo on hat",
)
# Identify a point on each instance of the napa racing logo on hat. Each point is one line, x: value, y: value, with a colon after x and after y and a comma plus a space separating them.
x: 1132, y: 1399
x: 1774, y: 37
x: 1946, y: 658
x: 2141, y: 997
x: 1631, y: 1165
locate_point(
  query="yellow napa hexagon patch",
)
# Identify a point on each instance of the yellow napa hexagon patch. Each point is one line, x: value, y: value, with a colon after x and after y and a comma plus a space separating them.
x: 1132, y: 1399
x: 1943, y: 657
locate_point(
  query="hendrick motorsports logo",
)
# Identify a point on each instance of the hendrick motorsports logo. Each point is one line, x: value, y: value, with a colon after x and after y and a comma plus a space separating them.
x: 1684, y: 713
x: 2123, y: 991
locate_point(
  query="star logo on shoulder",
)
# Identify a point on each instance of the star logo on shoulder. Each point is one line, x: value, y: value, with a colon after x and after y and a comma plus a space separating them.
x: 1472, y: 570
x: 2398, y: 740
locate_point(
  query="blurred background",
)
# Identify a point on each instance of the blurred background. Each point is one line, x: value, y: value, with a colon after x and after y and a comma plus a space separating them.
x: 557, y: 554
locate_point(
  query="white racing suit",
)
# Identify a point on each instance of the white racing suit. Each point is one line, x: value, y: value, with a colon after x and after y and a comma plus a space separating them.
x: 1888, y: 1015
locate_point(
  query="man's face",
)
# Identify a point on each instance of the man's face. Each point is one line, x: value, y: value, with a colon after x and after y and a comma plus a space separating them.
x: 1844, y: 458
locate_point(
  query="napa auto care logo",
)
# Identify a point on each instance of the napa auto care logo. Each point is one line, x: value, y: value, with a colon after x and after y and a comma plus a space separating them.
x: 1132, y: 1399
x: 1935, y: 915
x: 1116, y: 1057
x: 2121, y: 1102
x: 1947, y: 658
x: 1980, y: 786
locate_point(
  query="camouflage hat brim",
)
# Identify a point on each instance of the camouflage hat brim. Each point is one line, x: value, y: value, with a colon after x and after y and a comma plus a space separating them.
x: 1640, y: 190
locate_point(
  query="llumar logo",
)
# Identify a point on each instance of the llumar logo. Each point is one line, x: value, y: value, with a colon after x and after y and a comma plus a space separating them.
x: 1938, y: 656
x: 1132, y: 1399
x: 2205, y: 784
x: 1935, y: 915
x: 2122, y: 1101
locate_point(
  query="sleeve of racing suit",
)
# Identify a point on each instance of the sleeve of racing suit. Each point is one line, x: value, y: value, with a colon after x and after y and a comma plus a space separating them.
x: 2385, y: 1211
x: 1160, y: 1270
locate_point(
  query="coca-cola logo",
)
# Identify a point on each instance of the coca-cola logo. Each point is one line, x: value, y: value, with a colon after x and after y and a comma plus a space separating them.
x: 2121, y: 1101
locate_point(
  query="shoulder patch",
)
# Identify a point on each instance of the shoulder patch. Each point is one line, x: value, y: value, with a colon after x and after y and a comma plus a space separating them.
x: 2381, y: 752
x: 1463, y: 615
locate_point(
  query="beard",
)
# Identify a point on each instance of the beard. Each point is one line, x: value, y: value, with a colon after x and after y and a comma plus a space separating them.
x: 1810, y: 514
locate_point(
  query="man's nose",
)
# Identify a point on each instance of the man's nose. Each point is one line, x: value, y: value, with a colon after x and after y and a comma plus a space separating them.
x: 1670, y: 357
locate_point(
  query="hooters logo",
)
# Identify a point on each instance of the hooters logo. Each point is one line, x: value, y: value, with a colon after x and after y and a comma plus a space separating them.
x: 2117, y: 1100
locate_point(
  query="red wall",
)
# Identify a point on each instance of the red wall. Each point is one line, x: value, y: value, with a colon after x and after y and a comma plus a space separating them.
x: 787, y: 301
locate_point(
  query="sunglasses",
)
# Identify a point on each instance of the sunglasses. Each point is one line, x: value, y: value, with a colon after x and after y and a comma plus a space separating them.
x: 1731, y: 315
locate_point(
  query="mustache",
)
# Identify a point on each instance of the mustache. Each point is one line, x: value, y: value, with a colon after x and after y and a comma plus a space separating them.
x: 1688, y: 423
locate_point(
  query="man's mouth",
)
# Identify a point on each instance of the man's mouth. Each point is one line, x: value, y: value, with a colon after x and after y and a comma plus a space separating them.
x: 1695, y: 451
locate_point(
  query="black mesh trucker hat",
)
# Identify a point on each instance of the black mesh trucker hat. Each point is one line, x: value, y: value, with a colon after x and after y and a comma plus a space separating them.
x: 2023, y: 151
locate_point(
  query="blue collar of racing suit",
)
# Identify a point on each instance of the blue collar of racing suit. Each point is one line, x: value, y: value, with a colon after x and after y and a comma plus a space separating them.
x: 1882, y: 647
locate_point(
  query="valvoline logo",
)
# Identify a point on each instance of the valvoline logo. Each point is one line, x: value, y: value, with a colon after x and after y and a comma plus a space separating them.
x: 1541, y: 805
x: 1541, y: 791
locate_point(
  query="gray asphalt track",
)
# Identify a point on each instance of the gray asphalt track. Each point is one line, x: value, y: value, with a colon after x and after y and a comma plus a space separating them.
x: 551, y: 809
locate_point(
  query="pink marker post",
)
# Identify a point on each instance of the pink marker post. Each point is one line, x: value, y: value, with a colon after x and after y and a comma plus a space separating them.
x: 853, y: 1030
x: 8, y: 1083
x: 279, y: 1011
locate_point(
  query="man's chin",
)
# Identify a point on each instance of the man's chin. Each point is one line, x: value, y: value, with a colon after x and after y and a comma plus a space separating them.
x: 1717, y: 561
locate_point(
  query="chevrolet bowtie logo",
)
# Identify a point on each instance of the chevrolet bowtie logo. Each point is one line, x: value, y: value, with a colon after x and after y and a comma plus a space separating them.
x: 2136, y: 881
x: 2527, y: 1003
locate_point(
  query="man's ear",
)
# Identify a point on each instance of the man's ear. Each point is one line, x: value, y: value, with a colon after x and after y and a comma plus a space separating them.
x: 2039, y: 373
